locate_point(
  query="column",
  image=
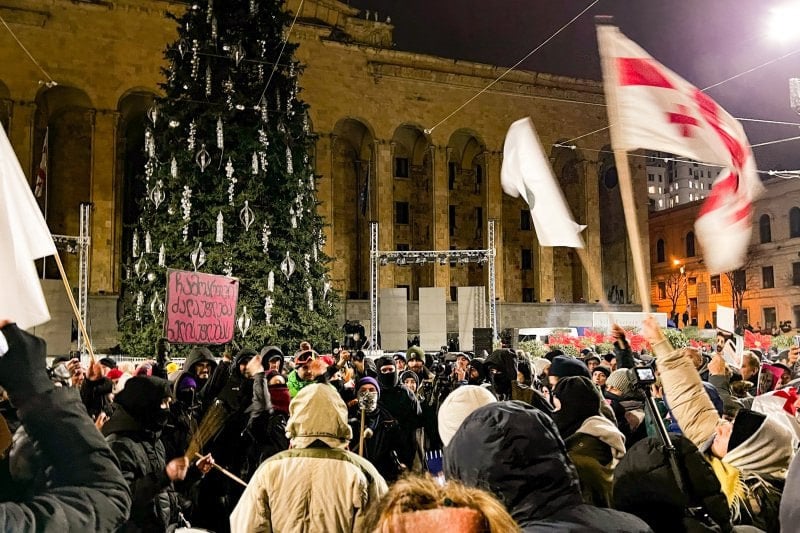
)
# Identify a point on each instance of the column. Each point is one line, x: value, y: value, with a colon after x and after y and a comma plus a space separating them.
x: 545, y: 284
x: 102, y: 268
x: 494, y: 210
x: 383, y: 200
x: 21, y: 117
x: 323, y: 162
x: 591, y: 235
x: 440, y: 215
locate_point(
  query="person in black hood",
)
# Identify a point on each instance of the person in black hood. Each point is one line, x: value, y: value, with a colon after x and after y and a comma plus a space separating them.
x: 197, y: 370
x: 403, y: 405
x: 476, y: 372
x: 133, y: 432
x: 514, y: 451
x: 272, y: 358
x: 501, y: 368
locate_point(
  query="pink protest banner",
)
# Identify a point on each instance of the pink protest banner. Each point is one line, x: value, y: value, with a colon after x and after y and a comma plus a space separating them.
x: 201, y: 308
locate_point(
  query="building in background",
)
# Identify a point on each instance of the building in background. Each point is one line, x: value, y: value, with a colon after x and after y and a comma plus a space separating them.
x: 371, y: 108
x: 766, y: 290
x: 673, y: 181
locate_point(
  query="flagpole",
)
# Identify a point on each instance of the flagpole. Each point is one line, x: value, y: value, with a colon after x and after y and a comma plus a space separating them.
x: 46, y: 150
x: 623, y: 171
x: 81, y: 325
x: 595, y: 282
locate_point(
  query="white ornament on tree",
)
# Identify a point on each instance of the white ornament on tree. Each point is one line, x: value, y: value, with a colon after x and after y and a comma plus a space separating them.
x: 310, y: 293
x: 157, y: 194
x: 268, y: 305
x: 198, y: 256
x: 265, y: 233
x: 208, y: 80
x: 289, y: 165
x: 244, y: 322
x: 255, y: 164
x: 162, y: 256
x: 156, y: 307
x: 271, y: 281
x: 135, y: 244
x: 148, y: 243
x: 192, y: 135
x: 149, y: 143
x: 173, y: 167
x: 220, y: 237
x: 220, y: 135
x: 247, y: 216
x: 287, y: 266
x: 203, y: 158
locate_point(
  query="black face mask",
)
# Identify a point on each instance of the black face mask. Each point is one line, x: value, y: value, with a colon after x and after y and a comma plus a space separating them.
x: 501, y: 383
x: 387, y: 381
x: 158, y: 420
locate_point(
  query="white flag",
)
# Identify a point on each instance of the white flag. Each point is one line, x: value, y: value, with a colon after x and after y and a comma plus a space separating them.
x: 24, y: 237
x: 526, y: 172
x: 652, y: 107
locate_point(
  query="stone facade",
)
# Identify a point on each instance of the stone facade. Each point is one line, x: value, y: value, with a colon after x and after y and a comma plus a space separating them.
x: 430, y: 183
x: 771, y: 274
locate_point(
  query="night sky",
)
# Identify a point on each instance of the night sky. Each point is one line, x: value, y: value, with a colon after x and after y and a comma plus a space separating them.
x: 705, y: 41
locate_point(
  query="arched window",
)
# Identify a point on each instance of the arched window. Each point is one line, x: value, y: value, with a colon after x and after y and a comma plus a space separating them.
x: 794, y: 222
x: 764, y: 229
x: 660, y: 255
x: 690, y: 244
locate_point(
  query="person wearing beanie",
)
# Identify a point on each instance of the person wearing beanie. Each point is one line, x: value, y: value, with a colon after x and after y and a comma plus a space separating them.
x: 553, y: 354
x: 301, y: 376
x: 564, y: 366
x: 272, y: 358
x: 476, y: 374
x: 410, y: 380
x: 600, y: 376
x: 750, y: 460
x: 618, y: 383
x: 628, y: 411
x: 382, y: 436
x: 458, y: 405
x: 403, y: 405
x: 400, y: 361
x: 594, y: 443
x: 134, y: 435
x: 295, y: 486
x: 592, y: 360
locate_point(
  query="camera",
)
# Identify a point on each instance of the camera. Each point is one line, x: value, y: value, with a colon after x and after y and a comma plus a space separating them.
x: 642, y: 376
x: 796, y: 340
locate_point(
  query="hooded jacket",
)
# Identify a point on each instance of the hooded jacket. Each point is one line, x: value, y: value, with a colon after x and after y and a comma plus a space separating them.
x: 514, y: 451
x: 197, y: 355
x: 317, y: 485
x: 134, y: 437
x: 760, y: 462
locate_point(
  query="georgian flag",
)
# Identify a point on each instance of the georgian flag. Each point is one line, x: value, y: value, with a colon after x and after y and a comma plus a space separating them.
x: 24, y: 236
x: 526, y: 172
x: 652, y: 107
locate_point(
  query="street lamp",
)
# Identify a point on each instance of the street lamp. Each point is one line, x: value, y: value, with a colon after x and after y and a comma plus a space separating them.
x: 684, y: 279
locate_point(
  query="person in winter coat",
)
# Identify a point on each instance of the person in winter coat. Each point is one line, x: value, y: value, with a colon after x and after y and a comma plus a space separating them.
x: 749, y: 456
x: 510, y: 449
x: 318, y: 485
x: 382, y: 440
x: 189, y: 383
x: 301, y: 376
x: 594, y: 443
x: 403, y: 405
x: 84, y: 489
x: 133, y: 432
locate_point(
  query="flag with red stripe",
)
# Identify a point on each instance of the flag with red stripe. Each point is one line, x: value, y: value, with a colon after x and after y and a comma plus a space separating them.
x: 656, y: 109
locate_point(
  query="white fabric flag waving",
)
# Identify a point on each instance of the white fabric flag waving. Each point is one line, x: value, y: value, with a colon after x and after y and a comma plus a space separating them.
x: 652, y: 107
x: 24, y: 236
x: 526, y: 172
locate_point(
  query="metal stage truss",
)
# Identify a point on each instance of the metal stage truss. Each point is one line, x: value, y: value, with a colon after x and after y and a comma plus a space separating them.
x: 380, y: 258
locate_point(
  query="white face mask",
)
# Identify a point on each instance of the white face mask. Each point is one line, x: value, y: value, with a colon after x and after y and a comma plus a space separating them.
x: 368, y: 400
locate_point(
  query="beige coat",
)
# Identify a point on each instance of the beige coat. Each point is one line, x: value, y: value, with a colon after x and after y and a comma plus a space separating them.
x: 305, y: 490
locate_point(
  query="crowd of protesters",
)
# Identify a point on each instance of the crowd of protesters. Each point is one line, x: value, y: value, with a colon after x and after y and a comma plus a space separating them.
x: 267, y: 441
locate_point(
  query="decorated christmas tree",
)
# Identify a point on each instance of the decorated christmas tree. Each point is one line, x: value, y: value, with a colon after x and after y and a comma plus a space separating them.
x: 229, y: 181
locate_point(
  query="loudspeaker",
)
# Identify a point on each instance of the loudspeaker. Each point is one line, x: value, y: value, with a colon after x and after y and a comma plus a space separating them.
x: 482, y: 339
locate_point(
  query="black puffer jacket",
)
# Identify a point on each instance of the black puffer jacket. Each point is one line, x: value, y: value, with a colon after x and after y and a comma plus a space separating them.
x: 134, y: 438
x: 514, y: 451
x: 86, y: 491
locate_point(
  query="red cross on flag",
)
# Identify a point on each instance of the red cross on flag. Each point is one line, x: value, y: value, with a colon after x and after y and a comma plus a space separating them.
x: 651, y: 107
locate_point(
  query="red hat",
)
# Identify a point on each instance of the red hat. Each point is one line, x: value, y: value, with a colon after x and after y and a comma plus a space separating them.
x: 327, y: 359
x: 114, y: 373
